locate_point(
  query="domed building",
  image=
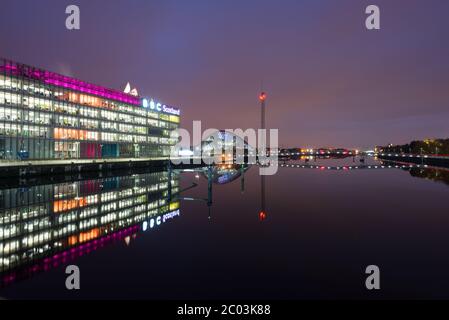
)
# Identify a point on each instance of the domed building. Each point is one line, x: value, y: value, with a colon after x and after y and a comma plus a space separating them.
x: 224, y: 147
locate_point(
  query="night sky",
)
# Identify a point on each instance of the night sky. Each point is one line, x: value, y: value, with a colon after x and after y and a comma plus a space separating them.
x: 330, y: 82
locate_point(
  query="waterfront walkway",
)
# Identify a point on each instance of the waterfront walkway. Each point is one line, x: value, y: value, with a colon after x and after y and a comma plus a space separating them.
x: 68, y: 162
x: 416, y: 156
x: 359, y: 167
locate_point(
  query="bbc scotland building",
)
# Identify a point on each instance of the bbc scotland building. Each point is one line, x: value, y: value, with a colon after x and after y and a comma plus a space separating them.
x: 47, y: 118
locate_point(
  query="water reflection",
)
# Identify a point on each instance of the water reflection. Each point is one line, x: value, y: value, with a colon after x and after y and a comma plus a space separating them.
x: 46, y: 225
x: 50, y: 224
x: 219, y: 175
x: 263, y: 212
x: 438, y: 174
x: 224, y: 174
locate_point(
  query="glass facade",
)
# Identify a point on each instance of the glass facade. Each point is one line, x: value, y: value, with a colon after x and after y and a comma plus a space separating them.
x: 43, y: 224
x: 47, y: 116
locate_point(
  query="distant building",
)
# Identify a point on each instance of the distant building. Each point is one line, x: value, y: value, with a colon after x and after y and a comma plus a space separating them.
x: 226, y: 147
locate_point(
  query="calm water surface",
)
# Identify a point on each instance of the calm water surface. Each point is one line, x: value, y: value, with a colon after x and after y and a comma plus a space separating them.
x: 131, y: 238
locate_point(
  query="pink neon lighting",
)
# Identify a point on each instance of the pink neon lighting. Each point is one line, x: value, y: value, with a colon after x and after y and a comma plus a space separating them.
x: 70, y: 83
x: 59, y: 258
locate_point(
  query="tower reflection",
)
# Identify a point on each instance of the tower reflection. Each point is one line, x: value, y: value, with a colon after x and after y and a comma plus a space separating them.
x: 263, y: 212
x: 47, y: 225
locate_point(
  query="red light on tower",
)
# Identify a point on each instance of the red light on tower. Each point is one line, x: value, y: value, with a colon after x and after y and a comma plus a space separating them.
x: 262, y: 215
x: 263, y: 96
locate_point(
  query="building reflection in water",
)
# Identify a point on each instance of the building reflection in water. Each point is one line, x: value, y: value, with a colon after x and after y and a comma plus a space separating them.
x: 51, y: 224
x: 436, y: 174
x: 219, y: 175
x: 47, y: 225
x: 224, y: 174
x: 229, y: 173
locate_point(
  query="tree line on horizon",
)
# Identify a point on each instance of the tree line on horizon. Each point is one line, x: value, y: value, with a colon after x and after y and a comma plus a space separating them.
x: 427, y: 146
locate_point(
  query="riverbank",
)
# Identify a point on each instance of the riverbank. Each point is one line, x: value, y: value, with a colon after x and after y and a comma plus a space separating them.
x: 431, y: 160
x: 75, y: 166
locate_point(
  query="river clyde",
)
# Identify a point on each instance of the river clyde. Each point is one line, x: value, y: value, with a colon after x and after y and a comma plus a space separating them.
x: 206, y: 238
